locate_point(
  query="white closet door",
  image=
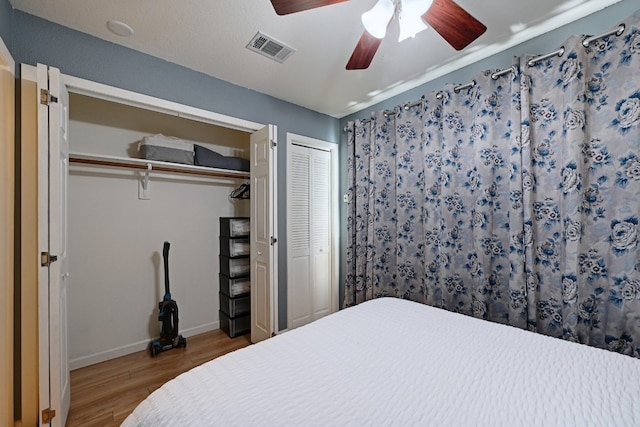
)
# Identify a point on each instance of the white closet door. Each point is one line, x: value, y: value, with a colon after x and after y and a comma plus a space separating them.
x: 53, y: 164
x: 263, y: 233
x: 309, y: 239
x: 299, y: 263
x: 320, y: 191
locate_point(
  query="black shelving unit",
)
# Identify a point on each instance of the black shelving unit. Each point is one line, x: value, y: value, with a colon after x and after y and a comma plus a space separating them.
x: 235, y: 279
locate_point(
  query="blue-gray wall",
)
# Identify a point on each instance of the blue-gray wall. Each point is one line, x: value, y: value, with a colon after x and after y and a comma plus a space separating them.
x: 596, y: 23
x: 77, y: 54
x: 6, y: 27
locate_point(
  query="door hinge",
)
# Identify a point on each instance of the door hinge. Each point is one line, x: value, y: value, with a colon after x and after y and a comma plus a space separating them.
x: 46, y: 259
x: 273, y: 143
x: 46, y: 98
x: 47, y: 415
x: 273, y: 240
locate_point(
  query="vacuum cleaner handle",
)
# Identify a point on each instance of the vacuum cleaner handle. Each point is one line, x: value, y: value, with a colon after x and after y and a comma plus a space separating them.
x: 165, y: 255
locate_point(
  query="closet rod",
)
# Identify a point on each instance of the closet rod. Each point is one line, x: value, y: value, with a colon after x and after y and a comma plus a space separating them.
x: 155, y: 166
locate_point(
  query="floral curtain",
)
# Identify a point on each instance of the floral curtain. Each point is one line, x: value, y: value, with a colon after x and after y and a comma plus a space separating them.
x: 515, y: 200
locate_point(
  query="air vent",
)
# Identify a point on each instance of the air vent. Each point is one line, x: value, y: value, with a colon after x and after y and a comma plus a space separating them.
x: 270, y: 47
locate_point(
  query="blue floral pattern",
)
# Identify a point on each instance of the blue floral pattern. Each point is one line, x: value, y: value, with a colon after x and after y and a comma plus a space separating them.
x: 516, y: 200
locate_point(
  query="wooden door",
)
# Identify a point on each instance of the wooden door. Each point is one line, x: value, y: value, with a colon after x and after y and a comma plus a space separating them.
x: 7, y: 255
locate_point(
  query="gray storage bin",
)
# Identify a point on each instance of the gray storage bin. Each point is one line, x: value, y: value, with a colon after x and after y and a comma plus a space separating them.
x: 234, y: 247
x: 234, y: 307
x: 234, y: 226
x: 235, y: 327
x: 235, y: 267
x: 234, y: 286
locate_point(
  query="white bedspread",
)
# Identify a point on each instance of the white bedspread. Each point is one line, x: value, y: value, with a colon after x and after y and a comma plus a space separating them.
x: 394, y: 362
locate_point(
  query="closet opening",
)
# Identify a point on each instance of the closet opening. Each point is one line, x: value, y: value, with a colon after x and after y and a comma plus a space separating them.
x: 115, y: 235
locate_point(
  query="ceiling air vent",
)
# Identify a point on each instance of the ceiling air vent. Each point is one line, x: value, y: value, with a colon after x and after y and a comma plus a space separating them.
x: 270, y: 47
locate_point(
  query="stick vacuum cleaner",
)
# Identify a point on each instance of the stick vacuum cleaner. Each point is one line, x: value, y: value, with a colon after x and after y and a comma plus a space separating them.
x: 168, y: 315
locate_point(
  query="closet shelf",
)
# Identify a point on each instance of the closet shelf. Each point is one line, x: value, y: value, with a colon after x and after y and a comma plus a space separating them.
x: 154, y: 166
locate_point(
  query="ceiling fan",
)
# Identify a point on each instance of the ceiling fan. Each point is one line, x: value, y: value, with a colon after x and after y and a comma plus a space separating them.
x: 450, y: 20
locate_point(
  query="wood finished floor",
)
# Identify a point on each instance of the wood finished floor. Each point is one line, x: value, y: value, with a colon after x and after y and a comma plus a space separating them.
x: 106, y: 393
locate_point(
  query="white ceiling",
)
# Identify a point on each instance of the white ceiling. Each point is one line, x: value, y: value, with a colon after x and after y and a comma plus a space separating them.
x: 210, y: 36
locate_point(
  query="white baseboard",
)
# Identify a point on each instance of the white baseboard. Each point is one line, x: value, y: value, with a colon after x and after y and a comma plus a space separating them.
x: 200, y: 329
x: 92, y: 359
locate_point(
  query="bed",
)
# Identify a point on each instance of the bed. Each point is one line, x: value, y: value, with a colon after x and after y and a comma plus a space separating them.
x: 393, y: 362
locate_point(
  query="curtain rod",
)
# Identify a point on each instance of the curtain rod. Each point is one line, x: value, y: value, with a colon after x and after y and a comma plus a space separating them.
x: 618, y: 32
x: 534, y: 61
x: 500, y: 73
x: 531, y: 62
x: 411, y: 105
x: 586, y: 42
x: 469, y: 85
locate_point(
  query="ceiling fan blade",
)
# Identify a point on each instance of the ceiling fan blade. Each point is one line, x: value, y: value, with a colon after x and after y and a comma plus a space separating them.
x: 364, y: 52
x: 453, y: 23
x: 285, y: 7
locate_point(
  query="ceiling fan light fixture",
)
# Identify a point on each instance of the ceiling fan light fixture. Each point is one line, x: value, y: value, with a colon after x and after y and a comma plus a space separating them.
x: 375, y: 21
x: 410, y: 18
x: 410, y: 25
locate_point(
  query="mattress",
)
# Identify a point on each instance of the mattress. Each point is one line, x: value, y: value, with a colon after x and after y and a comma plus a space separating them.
x: 395, y: 362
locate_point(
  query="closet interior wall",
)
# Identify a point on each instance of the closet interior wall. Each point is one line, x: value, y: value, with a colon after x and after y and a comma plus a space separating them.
x: 115, y: 239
